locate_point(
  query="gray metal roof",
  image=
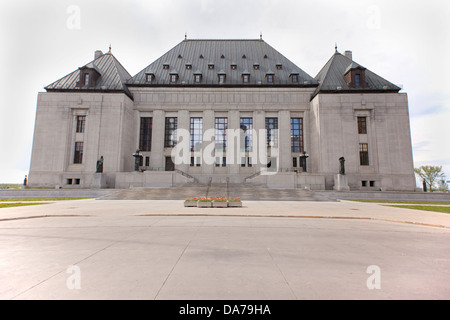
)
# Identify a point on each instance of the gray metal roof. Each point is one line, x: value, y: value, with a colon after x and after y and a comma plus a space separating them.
x: 331, y: 77
x: 222, y: 54
x: 113, y: 77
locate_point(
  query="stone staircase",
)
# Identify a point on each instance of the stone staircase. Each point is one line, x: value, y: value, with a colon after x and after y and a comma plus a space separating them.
x: 244, y: 191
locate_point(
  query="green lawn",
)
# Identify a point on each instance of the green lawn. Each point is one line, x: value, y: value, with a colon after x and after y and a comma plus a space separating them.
x: 42, y: 199
x: 405, y: 202
x: 18, y: 204
x: 426, y: 208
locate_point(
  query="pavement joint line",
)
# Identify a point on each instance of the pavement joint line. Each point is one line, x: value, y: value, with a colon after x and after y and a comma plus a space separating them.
x: 173, y: 268
x: 282, y: 274
x: 291, y: 216
x: 46, y: 216
x: 76, y: 263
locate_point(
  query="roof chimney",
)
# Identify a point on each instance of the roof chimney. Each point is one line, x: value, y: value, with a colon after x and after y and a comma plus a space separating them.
x: 348, y: 54
x: 98, y: 54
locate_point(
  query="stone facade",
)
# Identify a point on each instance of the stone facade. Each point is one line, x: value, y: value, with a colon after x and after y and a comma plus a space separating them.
x: 112, y: 129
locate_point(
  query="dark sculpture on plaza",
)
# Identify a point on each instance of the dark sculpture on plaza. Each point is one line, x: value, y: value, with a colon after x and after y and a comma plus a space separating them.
x: 100, y: 165
x: 342, y: 165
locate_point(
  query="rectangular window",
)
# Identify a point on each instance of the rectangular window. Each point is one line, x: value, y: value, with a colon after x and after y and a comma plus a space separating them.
x: 294, y: 162
x: 198, y: 78
x: 145, y: 136
x: 246, y: 78
x: 362, y: 125
x: 296, y: 134
x: 196, y: 131
x: 363, y: 154
x: 221, y: 126
x: 170, y: 138
x: 78, y: 153
x: 81, y: 122
x: 86, y: 79
x: 294, y: 78
x: 272, y: 132
x: 357, y: 80
x: 247, y: 135
x: 147, y: 161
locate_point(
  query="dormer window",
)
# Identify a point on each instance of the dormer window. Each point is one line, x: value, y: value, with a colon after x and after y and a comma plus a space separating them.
x: 86, y: 79
x: 88, y: 76
x: 149, y: 77
x: 256, y: 66
x: 211, y: 66
x: 294, y: 77
x: 197, y: 78
x: 355, y: 76
x: 233, y: 66
x: 279, y: 66
x: 222, y: 77
x: 270, y: 76
x: 165, y: 66
x: 188, y: 66
x: 173, y: 77
x: 245, y: 77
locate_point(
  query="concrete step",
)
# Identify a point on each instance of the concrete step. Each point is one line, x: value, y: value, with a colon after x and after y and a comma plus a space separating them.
x: 243, y: 191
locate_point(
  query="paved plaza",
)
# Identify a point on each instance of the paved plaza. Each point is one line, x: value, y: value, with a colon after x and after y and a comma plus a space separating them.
x: 157, y: 249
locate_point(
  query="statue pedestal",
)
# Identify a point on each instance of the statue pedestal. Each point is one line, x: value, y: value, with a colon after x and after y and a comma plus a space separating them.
x: 98, y: 181
x: 340, y: 183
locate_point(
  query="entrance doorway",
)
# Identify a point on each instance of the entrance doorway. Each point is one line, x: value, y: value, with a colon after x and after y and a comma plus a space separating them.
x: 170, y: 166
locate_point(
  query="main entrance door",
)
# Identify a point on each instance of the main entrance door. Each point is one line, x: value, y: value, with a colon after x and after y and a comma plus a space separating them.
x: 169, y: 164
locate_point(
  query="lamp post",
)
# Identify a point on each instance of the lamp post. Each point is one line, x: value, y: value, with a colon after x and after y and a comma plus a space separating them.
x: 303, y: 158
x: 137, y: 159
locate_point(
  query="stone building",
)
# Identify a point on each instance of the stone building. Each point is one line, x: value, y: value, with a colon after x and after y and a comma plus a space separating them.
x: 211, y: 110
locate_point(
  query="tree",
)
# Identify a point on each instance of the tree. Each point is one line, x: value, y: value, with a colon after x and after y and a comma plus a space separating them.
x: 430, y: 175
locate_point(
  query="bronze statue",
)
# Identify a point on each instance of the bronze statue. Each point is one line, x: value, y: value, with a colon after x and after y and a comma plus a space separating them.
x: 100, y: 165
x: 342, y: 165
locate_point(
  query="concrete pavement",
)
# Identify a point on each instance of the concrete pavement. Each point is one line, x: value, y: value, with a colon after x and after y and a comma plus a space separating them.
x: 149, y: 249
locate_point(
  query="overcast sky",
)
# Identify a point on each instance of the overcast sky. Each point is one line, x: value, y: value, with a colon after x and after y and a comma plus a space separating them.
x: 405, y: 42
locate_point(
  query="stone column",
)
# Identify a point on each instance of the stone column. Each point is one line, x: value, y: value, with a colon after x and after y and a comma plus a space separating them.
x: 284, y: 131
x: 208, y: 123
x: 233, y: 158
x: 184, y: 123
x: 157, y: 160
x: 259, y: 156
